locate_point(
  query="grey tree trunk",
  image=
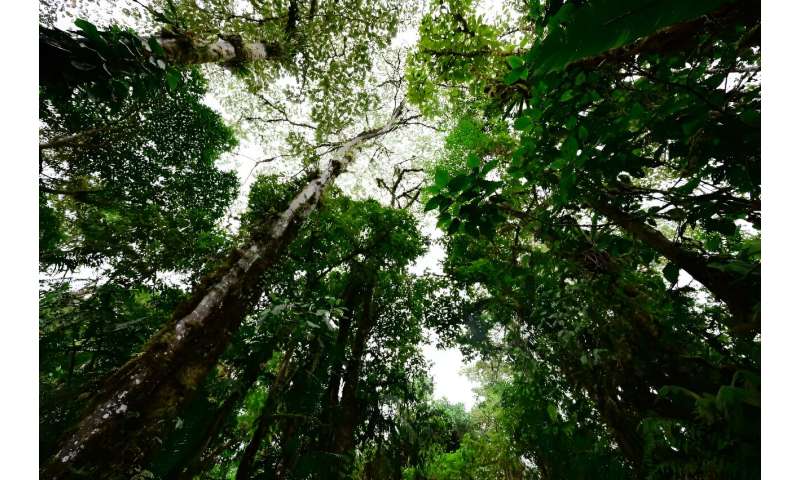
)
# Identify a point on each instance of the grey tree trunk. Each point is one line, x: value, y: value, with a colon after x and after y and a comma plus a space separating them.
x: 134, y: 408
x: 67, y: 60
x: 222, y: 50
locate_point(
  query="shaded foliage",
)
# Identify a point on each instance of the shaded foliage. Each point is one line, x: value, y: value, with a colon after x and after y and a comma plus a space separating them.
x: 598, y: 190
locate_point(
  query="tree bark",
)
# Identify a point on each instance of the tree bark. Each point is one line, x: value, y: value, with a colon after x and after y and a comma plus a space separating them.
x: 349, y: 408
x: 72, y: 139
x: 186, y: 51
x: 181, y: 48
x: 265, y: 417
x: 337, y: 358
x: 306, y: 387
x: 739, y: 292
x: 682, y: 35
x: 129, y: 413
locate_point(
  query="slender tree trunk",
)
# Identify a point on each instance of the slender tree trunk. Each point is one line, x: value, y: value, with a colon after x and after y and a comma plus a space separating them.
x: 72, y: 139
x: 251, y: 372
x: 349, y: 408
x: 337, y: 359
x: 265, y: 417
x: 303, y: 397
x: 124, y: 121
x: 59, y: 49
x: 130, y: 412
x: 740, y: 292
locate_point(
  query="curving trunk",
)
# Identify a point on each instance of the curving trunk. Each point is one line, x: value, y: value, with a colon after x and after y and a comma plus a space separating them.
x: 740, y: 292
x: 132, y: 411
x: 67, y: 60
x: 186, y: 51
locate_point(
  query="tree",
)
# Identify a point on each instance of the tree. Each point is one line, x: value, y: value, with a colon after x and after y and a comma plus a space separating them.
x: 178, y: 358
x: 136, y: 178
x: 566, y: 221
x: 596, y: 186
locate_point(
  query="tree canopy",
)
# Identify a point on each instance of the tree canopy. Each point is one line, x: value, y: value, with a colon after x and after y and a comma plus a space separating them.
x: 254, y: 217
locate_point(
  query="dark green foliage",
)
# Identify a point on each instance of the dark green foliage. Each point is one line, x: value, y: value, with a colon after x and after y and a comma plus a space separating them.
x: 130, y: 197
x: 573, y: 33
x: 107, y: 64
x: 141, y: 187
x: 630, y: 161
x: 268, y: 197
x: 84, y: 334
x: 599, y: 193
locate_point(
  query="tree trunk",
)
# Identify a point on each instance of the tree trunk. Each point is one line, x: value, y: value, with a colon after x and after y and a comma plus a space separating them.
x: 131, y: 411
x: 213, y: 425
x: 739, y: 292
x: 186, y: 51
x: 682, y: 35
x: 349, y: 408
x: 302, y: 398
x: 72, y: 139
x: 337, y: 357
x: 265, y: 417
x: 64, y: 57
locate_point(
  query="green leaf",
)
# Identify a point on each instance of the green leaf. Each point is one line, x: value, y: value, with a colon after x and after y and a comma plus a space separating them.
x: 173, y: 77
x: 444, y: 220
x: 724, y: 226
x: 433, y: 203
x: 453, y: 228
x: 523, y: 123
x: 751, y: 117
x: 87, y: 28
x: 570, y: 147
x: 459, y: 183
x: 713, y: 242
x: 488, y: 167
x: 558, y: 163
x: 552, y: 412
x: 155, y: 47
x: 671, y: 273
x: 689, y: 186
x: 567, y: 95
x: 515, y: 62
x: 441, y: 177
x: 473, y: 160
x: 514, y: 75
x: 471, y: 228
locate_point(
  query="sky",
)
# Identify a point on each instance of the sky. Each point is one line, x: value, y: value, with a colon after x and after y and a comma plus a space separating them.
x: 449, y: 382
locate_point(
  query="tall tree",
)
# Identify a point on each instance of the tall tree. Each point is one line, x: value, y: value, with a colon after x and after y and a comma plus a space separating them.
x: 121, y: 427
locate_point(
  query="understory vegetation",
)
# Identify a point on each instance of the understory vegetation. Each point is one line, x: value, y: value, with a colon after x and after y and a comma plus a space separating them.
x: 254, y: 216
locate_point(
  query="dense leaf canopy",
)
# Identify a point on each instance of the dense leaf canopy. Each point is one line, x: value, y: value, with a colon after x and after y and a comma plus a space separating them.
x: 568, y: 192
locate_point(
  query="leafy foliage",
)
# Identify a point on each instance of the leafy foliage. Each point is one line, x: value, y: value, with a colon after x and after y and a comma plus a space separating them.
x: 136, y: 183
x: 570, y: 232
x: 598, y: 191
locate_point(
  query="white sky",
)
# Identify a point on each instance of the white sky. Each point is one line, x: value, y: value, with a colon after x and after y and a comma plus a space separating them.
x: 449, y: 382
